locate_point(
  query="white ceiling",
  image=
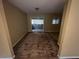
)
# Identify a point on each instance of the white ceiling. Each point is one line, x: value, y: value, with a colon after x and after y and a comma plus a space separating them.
x: 45, y: 6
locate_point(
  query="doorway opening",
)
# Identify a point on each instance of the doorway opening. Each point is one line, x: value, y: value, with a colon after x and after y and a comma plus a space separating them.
x: 37, y: 24
x: 41, y: 41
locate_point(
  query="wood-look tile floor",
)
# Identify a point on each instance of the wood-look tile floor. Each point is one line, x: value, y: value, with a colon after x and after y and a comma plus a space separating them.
x: 37, y: 46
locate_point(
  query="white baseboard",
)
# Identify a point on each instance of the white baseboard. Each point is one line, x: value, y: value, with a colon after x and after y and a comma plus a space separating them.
x: 7, y: 58
x: 19, y: 39
x: 68, y: 57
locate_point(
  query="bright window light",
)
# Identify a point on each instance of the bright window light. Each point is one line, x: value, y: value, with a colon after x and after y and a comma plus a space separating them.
x: 55, y: 21
x: 37, y: 21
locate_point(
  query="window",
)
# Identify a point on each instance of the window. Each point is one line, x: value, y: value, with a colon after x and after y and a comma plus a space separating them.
x: 55, y: 21
x: 37, y: 21
x: 37, y: 24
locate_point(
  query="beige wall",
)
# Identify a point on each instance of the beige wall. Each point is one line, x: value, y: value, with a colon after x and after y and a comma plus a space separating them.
x: 64, y: 17
x: 17, y: 22
x: 70, y: 34
x: 29, y: 23
x: 5, y: 43
x: 48, y: 26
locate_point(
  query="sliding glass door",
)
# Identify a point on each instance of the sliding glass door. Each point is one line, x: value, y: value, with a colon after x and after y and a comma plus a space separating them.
x: 38, y: 25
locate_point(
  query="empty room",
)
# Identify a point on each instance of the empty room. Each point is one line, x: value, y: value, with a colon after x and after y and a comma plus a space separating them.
x: 39, y: 29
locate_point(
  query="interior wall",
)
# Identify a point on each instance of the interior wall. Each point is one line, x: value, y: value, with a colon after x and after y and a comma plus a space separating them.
x: 17, y: 22
x: 70, y: 34
x: 5, y: 43
x: 29, y: 23
x: 48, y: 26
